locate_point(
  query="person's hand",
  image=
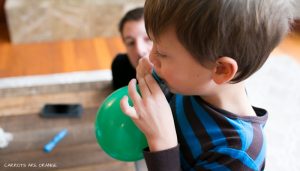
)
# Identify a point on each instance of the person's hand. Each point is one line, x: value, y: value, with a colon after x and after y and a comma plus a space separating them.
x: 151, y: 112
x: 144, y: 68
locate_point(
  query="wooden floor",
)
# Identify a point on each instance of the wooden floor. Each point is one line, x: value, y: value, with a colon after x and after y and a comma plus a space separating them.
x: 81, y: 55
x: 290, y: 46
x: 56, y: 57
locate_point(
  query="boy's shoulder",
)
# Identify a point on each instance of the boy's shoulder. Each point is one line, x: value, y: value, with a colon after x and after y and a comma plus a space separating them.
x: 208, y: 132
x: 199, y: 106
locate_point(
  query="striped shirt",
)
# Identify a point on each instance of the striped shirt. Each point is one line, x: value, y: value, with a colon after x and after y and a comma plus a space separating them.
x: 214, y: 139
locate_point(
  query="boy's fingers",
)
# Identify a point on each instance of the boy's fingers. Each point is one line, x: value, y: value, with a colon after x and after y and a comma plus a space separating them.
x: 127, y: 109
x: 152, y: 84
x: 144, y: 89
x: 144, y: 67
x: 134, y: 95
x: 146, y: 64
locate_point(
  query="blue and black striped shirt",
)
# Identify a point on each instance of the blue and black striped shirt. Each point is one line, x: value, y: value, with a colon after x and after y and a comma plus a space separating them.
x: 214, y: 139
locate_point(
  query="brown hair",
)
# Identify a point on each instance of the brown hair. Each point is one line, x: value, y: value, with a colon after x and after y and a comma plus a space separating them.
x: 132, y: 15
x: 245, y: 30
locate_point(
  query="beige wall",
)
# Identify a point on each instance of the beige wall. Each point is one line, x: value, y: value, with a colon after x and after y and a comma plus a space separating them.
x: 50, y: 20
x: 297, y: 9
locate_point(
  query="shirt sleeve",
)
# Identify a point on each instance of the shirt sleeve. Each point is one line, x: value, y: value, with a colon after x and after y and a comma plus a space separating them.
x: 164, y: 160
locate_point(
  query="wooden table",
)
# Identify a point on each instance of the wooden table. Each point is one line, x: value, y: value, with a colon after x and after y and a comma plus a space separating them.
x: 77, y: 151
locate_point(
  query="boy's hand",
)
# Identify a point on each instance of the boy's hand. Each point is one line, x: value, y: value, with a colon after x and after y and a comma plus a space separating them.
x: 151, y: 112
x: 144, y: 68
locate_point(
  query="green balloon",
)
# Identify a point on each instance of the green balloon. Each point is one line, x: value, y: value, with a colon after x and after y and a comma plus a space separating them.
x: 115, y: 132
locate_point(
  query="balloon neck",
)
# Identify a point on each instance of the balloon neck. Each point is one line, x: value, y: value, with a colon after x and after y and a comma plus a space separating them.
x: 156, y: 77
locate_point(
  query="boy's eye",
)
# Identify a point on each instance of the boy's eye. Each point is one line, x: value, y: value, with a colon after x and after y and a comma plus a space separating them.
x: 158, y: 54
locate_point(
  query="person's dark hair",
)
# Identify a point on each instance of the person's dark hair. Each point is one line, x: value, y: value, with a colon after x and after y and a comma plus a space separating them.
x: 132, y: 15
x: 245, y: 30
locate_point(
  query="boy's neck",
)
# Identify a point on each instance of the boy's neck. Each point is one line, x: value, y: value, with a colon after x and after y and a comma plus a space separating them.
x: 232, y: 98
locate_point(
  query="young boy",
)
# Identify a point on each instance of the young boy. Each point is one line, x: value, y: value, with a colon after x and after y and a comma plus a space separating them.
x: 137, y: 43
x: 203, y: 50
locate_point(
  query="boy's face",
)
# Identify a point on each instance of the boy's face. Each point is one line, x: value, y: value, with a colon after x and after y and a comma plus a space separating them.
x: 136, y: 41
x: 180, y: 71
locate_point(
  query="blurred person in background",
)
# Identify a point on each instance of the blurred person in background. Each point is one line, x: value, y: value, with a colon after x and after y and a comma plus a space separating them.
x: 137, y: 43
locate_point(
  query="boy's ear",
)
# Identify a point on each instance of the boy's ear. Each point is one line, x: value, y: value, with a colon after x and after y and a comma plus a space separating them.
x: 224, y: 70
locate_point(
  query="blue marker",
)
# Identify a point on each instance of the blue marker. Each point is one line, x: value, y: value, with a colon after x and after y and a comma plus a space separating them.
x: 58, y: 137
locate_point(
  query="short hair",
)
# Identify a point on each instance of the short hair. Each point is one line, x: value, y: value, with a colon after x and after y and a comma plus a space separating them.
x: 245, y: 30
x: 132, y: 15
